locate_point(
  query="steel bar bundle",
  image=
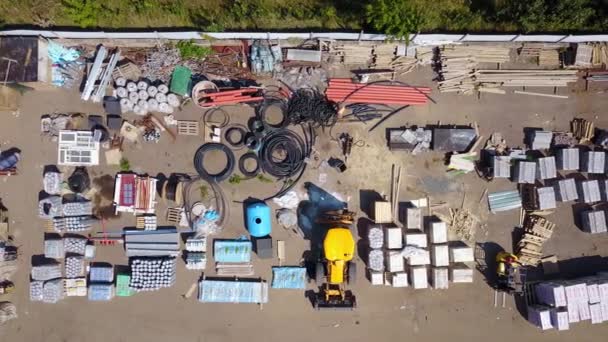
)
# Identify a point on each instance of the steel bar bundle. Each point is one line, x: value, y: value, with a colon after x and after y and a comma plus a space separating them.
x: 344, y: 90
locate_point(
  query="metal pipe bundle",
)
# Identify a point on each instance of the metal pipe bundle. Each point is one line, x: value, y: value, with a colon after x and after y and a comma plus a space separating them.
x: 151, y: 274
x: 344, y: 90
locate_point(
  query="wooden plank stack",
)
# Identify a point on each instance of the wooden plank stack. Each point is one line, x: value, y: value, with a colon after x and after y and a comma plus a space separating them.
x: 526, y: 78
x: 537, y: 230
x: 599, y: 56
x: 582, y: 129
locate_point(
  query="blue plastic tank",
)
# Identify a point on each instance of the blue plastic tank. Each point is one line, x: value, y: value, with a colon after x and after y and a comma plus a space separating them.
x: 258, y: 219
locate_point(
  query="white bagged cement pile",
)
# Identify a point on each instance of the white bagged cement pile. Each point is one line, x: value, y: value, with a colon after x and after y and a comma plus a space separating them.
x: 81, y: 208
x: 50, y: 207
x: 53, y: 248
x: 72, y: 224
x: 75, y: 244
x: 375, y: 237
x: 376, y: 260
x: 52, y: 183
x: 152, y: 274
x: 74, y: 266
x: 46, y: 272
x: 52, y: 291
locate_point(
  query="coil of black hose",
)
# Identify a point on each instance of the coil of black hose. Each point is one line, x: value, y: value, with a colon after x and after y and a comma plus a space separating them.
x: 228, y: 136
x: 200, y: 168
x: 291, y: 145
x: 270, y: 102
x: 311, y: 106
x: 243, y: 160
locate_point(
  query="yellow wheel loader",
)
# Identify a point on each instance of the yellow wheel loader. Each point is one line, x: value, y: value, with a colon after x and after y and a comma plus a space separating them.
x: 336, y: 267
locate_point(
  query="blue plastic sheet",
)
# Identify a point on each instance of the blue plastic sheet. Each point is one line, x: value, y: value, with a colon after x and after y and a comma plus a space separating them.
x: 101, y: 292
x: 232, y: 250
x: 60, y: 54
x: 288, y: 277
x: 103, y: 274
x: 220, y: 291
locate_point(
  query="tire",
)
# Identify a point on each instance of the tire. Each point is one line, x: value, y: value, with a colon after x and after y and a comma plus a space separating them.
x: 319, y: 273
x: 352, y: 273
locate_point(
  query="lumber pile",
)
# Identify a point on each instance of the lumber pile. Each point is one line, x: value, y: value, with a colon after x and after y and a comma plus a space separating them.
x: 372, y: 56
x: 582, y: 129
x: 537, y: 230
x: 526, y: 78
x: 599, y: 56
x: 548, y: 58
x: 425, y: 54
x: 350, y: 54
x: 344, y: 90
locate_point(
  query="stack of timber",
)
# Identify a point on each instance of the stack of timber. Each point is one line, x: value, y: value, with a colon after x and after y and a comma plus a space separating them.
x: 350, y: 54
x: 525, y: 78
x: 425, y: 54
x: 548, y: 58
x: 537, y: 230
x: 582, y: 129
x: 599, y: 57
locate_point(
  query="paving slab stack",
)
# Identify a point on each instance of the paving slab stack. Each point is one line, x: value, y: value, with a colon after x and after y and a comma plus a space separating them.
x: 561, y: 303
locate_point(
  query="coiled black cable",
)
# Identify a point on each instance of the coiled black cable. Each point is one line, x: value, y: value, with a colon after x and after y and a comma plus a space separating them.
x: 282, y: 153
x: 311, y: 106
x: 200, y: 168
x: 270, y: 102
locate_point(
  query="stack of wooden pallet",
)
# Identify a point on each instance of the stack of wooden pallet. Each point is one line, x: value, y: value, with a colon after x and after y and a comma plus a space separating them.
x: 548, y: 58
x: 537, y: 230
x: 350, y: 54
x: 600, y: 54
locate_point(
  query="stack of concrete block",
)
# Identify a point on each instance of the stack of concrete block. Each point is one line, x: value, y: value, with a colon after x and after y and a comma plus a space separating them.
x: 416, y: 238
x: 461, y: 253
x: 593, y: 162
x: 397, y: 279
x: 594, y: 221
x: 559, y: 319
x: 546, y: 168
x: 419, y: 277
x: 461, y: 273
x: 540, y: 316
x: 440, y: 255
x: 393, y: 236
x: 568, y: 159
x: 438, y: 232
x: 394, y: 261
x: 376, y: 277
x: 546, y: 198
x: 567, y: 190
x: 423, y: 257
x: 413, y: 218
x: 591, y: 191
x: 541, y: 140
x: 440, y: 278
x: 502, y: 166
x: 525, y: 172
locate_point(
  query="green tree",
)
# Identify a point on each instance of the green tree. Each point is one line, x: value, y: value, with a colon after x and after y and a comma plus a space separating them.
x: 547, y: 15
x: 396, y: 18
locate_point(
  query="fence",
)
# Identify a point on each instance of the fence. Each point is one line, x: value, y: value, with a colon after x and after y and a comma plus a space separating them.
x: 419, y: 39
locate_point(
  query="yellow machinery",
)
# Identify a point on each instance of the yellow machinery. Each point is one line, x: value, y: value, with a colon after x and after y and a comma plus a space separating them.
x: 336, y: 268
x: 511, y: 274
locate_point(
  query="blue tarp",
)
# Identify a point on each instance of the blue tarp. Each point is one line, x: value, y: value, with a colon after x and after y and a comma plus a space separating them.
x: 232, y: 250
x: 288, y: 277
x: 220, y: 291
x: 101, y: 292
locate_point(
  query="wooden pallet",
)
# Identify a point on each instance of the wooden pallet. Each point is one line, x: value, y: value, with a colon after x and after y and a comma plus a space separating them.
x: 187, y: 127
x: 174, y: 215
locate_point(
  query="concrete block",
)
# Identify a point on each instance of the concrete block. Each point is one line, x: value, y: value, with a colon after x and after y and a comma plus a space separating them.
x: 419, y: 277
x: 438, y: 232
x: 440, y: 255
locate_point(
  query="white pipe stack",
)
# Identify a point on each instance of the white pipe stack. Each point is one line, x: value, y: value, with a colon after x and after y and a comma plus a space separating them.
x: 163, y: 89
x: 131, y: 86
x: 121, y: 82
x: 133, y: 96
x: 152, y: 91
x: 142, y: 85
x: 161, y: 97
x: 152, y: 104
x: 173, y: 100
x: 143, y: 95
x: 122, y: 92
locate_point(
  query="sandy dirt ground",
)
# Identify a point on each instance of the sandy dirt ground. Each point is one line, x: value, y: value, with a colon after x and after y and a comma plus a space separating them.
x: 464, y: 312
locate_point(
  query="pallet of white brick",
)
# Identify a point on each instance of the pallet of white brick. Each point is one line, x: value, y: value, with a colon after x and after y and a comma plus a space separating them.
x: 593, y: 292
x: 383, y: 212
x: 419, y: 277
x: 416, y: 238
x: 591, y: 191
x: 546, y: 198
x: 593, y: 162
x: 540, y: 316
x: 438, y: 232
x: 541, y: 140
x: 393, y: 237
x: 551, y: 294
x: 413, y: 218
x: 461, y: 273
x: 594, y: 221
x: 559, y: 319
x: 440, y: 255
x: 394, y: 261
x: 568, y: 159
x: 525, y: 172
x: 376, y: 277
x: 567, y: 190
x: 461, y: 253
x: 397, y: 279
x: 440, y: 278
x: 595, y: 311
x: 502, y: 166
x: 546, y: 168
x: 421, y: 258
x: 583, y: 311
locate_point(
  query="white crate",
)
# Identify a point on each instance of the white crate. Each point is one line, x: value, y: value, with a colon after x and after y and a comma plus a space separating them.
x: 394, y: 261
x: 418, y: 277
x: 413, y: 218
x: 461, y: 274
x: 440, y: 255
x: 422, y: 258
x: 573, y: 315
x: 576, y: 293
x: 393, y: 237
x: 595, y: 311
x: 604, y: 308
x: 461, y: 254
x: 603, y: 291
x: 559, y: 319
x: 438, y: 232
x: 398, y: 279
x: 376, y: 277
x: 440, y: 277
x: 416, y: 238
